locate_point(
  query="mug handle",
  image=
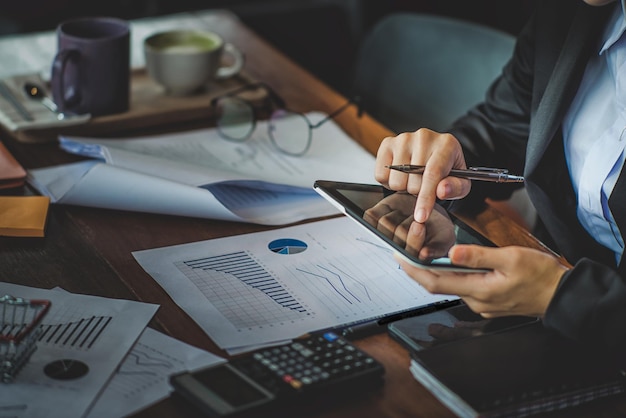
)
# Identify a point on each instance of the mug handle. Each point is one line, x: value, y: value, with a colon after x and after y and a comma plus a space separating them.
x: 237, y: 65
x: 57, y: 79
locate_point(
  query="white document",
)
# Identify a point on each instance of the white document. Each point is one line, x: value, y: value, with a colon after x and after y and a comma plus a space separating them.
x: 143, y: 378
x: 85, y: 338
x: 268, y: 286
x: 200, y: 174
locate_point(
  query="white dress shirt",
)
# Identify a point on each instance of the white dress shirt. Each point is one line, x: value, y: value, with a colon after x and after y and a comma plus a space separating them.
x: 594, y: 132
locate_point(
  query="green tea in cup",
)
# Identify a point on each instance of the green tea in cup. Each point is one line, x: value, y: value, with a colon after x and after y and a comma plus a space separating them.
x: 184, y: 61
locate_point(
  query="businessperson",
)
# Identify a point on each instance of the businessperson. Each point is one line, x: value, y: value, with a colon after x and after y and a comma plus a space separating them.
x: 557, y: 113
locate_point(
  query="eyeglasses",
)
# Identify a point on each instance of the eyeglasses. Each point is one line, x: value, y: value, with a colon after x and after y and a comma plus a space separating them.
x: 290, y: 132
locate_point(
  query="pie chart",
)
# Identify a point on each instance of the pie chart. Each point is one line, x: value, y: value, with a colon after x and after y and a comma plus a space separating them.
x: 287, y: 246
x: 66, y: 369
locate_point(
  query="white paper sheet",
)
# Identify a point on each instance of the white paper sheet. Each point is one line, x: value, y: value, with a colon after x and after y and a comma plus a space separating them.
x: 199, y: 174
x: 275, y: 285
x: 143, y: 378
x: 85, y: 338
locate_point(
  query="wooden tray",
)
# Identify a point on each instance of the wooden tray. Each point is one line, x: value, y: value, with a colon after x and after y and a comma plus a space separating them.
x: 150, y: 108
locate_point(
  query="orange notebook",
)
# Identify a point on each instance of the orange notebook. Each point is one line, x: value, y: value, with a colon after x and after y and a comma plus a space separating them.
x: 12, y: 174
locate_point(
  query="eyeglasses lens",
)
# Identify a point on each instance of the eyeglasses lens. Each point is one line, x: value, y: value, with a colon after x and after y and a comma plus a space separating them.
x: 290, y: 132
x: 235, y: 118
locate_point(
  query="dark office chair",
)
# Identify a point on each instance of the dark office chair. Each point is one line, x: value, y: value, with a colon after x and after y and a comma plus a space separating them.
x: 418, y: 70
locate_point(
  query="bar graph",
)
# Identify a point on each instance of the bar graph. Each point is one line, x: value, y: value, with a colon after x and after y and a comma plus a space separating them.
x: 81, y: 334
x: 240, y: 288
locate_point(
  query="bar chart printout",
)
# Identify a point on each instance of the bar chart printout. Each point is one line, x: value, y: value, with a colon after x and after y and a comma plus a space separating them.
x: 84, y: 338
x: 243, y: 300
x: 275, y: 285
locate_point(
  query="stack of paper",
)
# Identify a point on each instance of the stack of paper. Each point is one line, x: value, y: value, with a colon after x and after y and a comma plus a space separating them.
x: 200, y: 174
x: 95, y: 358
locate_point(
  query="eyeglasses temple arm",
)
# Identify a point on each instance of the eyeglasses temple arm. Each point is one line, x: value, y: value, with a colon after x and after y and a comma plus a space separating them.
x: 355, y: 100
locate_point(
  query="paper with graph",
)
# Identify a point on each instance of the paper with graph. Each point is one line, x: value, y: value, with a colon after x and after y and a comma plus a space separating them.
x: 275, y: 285
x: 142, y: 379
x: 198, y: 173
x: 84, y: 338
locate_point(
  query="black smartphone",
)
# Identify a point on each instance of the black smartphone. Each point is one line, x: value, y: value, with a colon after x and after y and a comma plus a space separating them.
x: 448, y: 325
x: 389, y: 216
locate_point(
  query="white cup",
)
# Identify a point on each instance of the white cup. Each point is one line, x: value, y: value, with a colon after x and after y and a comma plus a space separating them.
x: 184, y: 61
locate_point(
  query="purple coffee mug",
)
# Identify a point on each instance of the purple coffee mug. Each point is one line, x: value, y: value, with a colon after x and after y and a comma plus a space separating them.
x: 91, y: 70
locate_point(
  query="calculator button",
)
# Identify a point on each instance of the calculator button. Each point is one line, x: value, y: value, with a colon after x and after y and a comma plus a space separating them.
x: 330, y: 336
x: 306, y: 352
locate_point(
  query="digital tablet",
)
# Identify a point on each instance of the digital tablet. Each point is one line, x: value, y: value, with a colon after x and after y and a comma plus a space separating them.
x: 389, y: 216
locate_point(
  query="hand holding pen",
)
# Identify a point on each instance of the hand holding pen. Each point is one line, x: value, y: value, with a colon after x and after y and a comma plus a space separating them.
x: 496, y: 175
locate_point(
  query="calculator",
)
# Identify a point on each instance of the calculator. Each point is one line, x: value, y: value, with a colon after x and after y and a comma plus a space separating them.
x: 269, y: 379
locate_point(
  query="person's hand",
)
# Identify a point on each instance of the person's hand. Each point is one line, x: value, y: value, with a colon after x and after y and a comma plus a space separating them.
x: 393, y: 216
x: 522, y: 281
x: 438, y: 152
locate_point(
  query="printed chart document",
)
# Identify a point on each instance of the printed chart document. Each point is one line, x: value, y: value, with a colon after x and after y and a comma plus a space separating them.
x: 84, y: 340
x: 269, y: 286
x: 200, y: 174
x: 143, y: 377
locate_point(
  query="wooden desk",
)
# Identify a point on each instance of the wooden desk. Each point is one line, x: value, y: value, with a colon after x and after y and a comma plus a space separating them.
x: 89, y: 250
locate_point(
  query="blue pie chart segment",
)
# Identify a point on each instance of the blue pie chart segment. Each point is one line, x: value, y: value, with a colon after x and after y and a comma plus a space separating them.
x: 287, y: 246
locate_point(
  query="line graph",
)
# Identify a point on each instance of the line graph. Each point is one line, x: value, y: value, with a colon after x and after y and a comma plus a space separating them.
x: 349, y: 287
x: 337, y: 280
x: 144, y: 367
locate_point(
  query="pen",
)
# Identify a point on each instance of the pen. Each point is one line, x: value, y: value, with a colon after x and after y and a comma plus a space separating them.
x: 496, y: 175
x: 368, y: 327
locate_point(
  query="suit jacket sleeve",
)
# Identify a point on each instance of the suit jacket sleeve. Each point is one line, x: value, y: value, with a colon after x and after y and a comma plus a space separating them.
x: 590, y: 302
x: 590, y: 306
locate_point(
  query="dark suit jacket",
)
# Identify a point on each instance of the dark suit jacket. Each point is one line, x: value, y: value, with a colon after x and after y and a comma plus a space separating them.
x: 518, y: 126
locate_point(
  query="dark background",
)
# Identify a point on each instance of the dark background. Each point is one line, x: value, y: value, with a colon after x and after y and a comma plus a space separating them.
x: 321, y: 35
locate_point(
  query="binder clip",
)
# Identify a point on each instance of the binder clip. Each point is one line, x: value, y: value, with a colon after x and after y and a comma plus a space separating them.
x: 19, y: 332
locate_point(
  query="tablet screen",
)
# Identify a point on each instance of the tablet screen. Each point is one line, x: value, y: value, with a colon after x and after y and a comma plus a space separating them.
x: 389, y: 215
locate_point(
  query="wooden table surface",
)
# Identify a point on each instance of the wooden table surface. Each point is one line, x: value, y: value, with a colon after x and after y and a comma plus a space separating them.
x: 89, y: 250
